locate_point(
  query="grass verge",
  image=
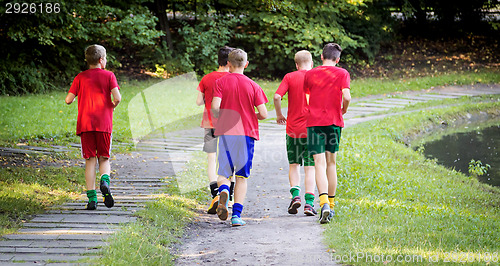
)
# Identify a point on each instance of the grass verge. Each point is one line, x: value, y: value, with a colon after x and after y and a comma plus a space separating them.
x: 25, y: 191
x: 149, y: 240
x: 393, y: 202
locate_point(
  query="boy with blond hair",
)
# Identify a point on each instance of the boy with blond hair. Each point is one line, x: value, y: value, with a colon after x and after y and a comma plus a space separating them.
x: 234, y: 102
x: 296, y: 132
x: 329, y: 89
x: 94, y: 88
x: 205, y: 95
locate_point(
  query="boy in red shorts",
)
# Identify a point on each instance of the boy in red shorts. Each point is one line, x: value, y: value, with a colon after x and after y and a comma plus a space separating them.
x: 329, y: 89
x: 296, y: 138
x: 94, y: 88
x: 234, y: 102
x: 205, y: 95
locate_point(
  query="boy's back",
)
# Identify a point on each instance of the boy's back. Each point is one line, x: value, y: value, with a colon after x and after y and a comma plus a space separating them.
x: 293, y: 83
x: 240, y: 95
x: 325, y: 84
x: 95, y: 108
x: 207, y: 85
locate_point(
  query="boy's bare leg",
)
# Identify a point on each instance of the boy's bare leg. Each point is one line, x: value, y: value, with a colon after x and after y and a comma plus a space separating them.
x: 211, y: 167
x: 294, y: 175
x: 309, y: 179
x: 331, y: 172
x: 240, y: 190
x: 294, y: 179
x: 90, y: 166
x: 104, y: 166
x: 320, y: 173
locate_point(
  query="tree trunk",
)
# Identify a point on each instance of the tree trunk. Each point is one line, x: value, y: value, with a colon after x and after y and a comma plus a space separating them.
x: 161, y: 12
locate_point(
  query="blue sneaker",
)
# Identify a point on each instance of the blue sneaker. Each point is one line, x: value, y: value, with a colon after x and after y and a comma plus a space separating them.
x: 222, y: 207
x: 324, y: 217
x: 237, y: 221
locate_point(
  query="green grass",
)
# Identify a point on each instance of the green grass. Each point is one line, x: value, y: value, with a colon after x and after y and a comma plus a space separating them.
x: 149, y: 240
x: 25, y: 191
x: 376, y: 86
x: 393, y: 201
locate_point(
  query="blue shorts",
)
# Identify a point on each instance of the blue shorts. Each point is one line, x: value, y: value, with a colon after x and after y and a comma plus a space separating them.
x: 234, y: 155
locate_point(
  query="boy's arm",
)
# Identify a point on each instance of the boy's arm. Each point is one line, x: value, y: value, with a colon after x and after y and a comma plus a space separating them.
x: 261, y: 112
x: 346, y: 99
x: 280, y: 118
x: 70, y: 98
x: 200, y: 100
x: 216, y: 106
x: 117, y: 97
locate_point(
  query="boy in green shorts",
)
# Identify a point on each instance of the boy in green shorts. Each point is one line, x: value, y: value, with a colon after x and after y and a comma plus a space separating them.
x: 205, y: 95
x: 329, y: 89
x: 235, y: 99
x: 94, y: 88
x: 296, y: 139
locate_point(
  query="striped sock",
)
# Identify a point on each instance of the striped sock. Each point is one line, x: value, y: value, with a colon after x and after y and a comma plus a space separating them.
x: 214, y: 189
x: 295, y: 191
x: 237, y: 209
x: 92, y: 195
x: 323, y: 199
x: 309, y: 199
x: 331, y: 199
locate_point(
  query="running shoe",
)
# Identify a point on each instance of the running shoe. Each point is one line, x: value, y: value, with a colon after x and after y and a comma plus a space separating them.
x: 212, y: 209
x: 294, y: 205
x: 237, y: 221
x: 222, y: 207
x: 324, y: 217
x: 106, y: 193
x: 92, y: 205
x: 309, y: 210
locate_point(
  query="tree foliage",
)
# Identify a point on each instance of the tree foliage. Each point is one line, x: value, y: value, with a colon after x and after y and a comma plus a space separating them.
x: 43, y: 50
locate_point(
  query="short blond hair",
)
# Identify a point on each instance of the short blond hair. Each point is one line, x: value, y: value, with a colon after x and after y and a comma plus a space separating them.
x: 237, y: 58
x: 303, y: 57
x: 93, y: 53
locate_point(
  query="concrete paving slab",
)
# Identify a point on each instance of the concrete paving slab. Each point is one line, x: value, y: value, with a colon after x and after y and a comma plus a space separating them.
x: 47, y: 257
x: 366, y: 109
x: 113, y: 211
x: 82, y: 218
x: 71, y: 225
x: 88, y: 243
x: 66, y: 230
x: 438, y: 96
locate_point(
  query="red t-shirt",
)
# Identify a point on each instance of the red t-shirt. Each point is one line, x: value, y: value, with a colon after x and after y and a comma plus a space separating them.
x: 325, y: 84
x: 95, y: 109
x: 207, y: 86
x: 293, y: 83
x: 240, y: 95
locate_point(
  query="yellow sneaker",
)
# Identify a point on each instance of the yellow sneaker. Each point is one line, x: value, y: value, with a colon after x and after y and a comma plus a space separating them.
x: 212, y: 209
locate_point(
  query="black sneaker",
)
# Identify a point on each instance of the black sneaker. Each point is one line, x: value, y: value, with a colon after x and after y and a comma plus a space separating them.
x: 294, y: 205
x: 106, y: 193
x: 92, y: 205
x: 324, y: 217
x: 309, y: 210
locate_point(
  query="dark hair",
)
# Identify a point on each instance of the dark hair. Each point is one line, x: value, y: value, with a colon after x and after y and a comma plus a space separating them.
x: 331, y: 51
x: 223, y: 55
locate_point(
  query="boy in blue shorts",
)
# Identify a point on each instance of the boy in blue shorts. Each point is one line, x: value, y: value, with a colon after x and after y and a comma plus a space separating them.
x: 329, y: 89
x: 234, y: 102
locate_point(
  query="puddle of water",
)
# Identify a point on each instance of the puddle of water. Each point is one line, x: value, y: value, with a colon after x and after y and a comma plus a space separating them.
x: 457, y: 150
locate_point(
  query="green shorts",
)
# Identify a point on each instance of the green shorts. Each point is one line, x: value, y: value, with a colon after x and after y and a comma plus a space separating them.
x: 323, y: 138
x: 297, y: 151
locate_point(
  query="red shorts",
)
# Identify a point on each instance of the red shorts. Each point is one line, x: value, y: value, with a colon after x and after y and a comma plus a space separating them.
x: 95, y: 144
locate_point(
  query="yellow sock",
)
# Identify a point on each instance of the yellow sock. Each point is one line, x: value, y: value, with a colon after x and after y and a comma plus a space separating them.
x: 332, y: 201
x: 323, y: 199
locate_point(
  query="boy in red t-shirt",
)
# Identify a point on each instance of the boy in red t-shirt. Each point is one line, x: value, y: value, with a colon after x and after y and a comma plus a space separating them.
x: 329, y: 89
x: 205, y: 95
x: 234, y: 102
x: 296, y: 138
x: 94, y: 125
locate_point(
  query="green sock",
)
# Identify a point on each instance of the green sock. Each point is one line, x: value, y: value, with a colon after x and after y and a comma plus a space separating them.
x: 309, y: 199
x: 295, y: 191
x: 92, y: 195
x: 105, y: 177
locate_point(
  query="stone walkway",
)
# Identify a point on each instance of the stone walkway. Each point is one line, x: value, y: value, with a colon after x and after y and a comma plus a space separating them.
x: 68, y: 233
